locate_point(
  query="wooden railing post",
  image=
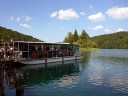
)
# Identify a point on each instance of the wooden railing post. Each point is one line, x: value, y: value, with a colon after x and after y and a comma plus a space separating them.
x: 46, y: 62
x: 62, y: 60
x: 2, y: 93
x: 75, y: 57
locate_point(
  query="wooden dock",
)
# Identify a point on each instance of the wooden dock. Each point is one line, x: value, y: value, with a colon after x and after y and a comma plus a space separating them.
x: 6, y: 63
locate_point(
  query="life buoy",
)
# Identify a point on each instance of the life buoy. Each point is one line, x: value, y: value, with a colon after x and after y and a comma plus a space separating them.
x: 45, y: 53
x: 71, y: 53
x: 81, y: 53
x: 33, y: 56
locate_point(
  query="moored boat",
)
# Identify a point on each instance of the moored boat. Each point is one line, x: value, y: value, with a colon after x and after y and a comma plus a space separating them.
x: 42, y: 53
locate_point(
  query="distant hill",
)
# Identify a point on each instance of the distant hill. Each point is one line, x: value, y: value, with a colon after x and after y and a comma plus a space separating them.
x: 117, y: 40
x: 8, y: 34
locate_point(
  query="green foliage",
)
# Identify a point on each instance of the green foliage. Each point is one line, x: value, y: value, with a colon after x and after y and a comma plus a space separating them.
x: 90, y: 44
x: 117, y: 40
x: 75, y: 36
x: 69, y: 38
x: 82, y: 39
x: 7, y: 34
x: 84, y: 35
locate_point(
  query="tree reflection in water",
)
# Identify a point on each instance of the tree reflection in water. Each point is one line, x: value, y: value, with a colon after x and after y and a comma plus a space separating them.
x: 37, y: 74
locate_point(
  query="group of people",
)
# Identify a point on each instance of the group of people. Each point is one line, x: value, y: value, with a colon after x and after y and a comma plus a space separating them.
x: 50, y: 53
x: 6, y: 53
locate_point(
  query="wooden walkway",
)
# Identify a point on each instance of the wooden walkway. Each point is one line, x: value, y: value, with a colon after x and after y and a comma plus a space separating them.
x: 6, y: 63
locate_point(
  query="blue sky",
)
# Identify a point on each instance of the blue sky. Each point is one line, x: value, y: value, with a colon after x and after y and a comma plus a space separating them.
x: 53, y: 19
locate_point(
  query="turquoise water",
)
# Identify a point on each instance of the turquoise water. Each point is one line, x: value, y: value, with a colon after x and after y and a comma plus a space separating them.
x: 100, y: 73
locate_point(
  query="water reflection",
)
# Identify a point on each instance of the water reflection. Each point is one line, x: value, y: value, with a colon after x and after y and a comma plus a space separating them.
x: 109, y: 70
x: 68, y: 81
x: 99, y: 73
x: 66, y: 74
x: 86, y: 57
x: 119, y: 82
x: 12, y: 77
x: 95, y: 78
x: 2, y: 92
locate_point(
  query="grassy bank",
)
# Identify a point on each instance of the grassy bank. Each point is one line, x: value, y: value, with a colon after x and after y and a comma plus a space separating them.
x: 90, y: 49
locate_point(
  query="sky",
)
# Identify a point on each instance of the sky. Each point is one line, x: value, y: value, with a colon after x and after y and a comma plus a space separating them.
x: 51, y: 20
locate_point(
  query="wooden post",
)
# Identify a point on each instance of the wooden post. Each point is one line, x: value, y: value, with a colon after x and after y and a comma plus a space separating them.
x: 46, y: 62
x: 52, y: 50
x: 62, y: 60
x: 75, y: 57
x: 56, y: 53
x: 4, y: 51
x: 18, y: 50
x: 20, y: 91
x: 72, y: 47
x: 67, y: 50
x: 13, y: 50
x: 28, y: 50
x: 2, y: 93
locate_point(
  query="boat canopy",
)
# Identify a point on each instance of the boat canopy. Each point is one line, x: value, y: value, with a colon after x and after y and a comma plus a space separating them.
x: 35, y: 50
x: 59, y: 43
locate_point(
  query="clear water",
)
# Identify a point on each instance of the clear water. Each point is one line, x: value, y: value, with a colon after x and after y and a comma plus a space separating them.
x: 101, y: 73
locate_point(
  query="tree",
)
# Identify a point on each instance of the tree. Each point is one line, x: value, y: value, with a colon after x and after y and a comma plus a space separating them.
x: 69, y: 38
x: 83, y: 39
x: 75, y: 36
x: 117, y: 40
x: 84, y: 35
x: 65, y: 40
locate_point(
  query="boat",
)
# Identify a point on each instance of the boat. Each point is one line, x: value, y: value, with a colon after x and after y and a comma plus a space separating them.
x: 33, y: 53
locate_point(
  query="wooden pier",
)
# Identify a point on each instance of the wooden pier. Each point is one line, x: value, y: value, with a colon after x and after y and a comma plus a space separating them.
x: 2, y: 93
x: 6, y: 63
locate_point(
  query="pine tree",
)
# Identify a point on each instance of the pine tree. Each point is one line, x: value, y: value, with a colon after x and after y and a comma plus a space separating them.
x: 69, y: 38
x: 84, y: 35
x: 75, y: 36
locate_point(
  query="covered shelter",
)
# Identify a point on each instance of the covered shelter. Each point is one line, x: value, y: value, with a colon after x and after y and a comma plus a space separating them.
x: 34, y: 50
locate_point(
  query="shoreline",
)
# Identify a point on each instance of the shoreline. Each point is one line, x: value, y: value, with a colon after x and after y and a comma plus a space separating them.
x: 90, y: 49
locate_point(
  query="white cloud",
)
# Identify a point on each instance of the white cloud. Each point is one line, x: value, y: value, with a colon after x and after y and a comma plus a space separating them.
x: 25, y: 25
x: 91, y: 6
x: 97, y: 17
x: 54, y: 14
x: 82, y: 13
x: 107, y: 30
x: 120, y: 29
x: 11, y: 18
x: 27, y: 18
x: 118, y: 13
x: 97, y: 27
x: 68, y: 14
x: 18, y: 19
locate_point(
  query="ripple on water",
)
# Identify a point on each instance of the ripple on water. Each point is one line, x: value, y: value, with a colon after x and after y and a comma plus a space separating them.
x: 120, y: 83
x: 68, y: 81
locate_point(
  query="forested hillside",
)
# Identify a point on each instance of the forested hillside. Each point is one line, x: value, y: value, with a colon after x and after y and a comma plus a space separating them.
x: 8, y: 34
x: 117, y: 40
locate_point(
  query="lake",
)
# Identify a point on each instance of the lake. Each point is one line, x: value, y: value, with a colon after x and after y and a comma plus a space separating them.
x: 100, y: 73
